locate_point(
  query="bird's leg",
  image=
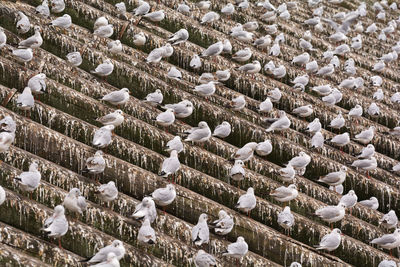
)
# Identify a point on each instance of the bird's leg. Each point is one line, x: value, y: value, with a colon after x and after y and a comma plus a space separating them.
x: 30, y: 195
x: 351, y: 211
x: 368, y: 175
x: 331, y: 226
x: 248, y: 214
x: 59, y: 243
x: 164, y: 210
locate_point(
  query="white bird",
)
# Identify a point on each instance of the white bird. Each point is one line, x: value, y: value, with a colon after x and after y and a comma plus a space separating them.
x: 207, y: 89
x: 3, y: 38
x: 112, y: 261
x: 164, y: 196
x: 376, y: 80
x: 317, y: 140
x: 338, y: 37
x: 107, y: 192
x: 284, y: 194
x: 275, y: 95
x: 224, y: 224
x: 206, y: 77
x: 102, y: 136
x: 34, y: 41
x: 104, y: 31
x: 396, y: 168
x: 238, y: 103
x: 121, y: 8
x: 174, y: 144
x: 7, y: 133
x: 29, y: 180
x: 341, y: 49
x: 179, y: 37
x: 312, y: 67
x: 115, y: 118
x: 340, y: 139
x: 200, y: 232
x: 251, y: 68
x: 104, y: 69
x: 74, y: 201
x: 237, y: 249
x: 63, y: 22
x: 74, y: 58
x: 280, y: 124
x: 349, y: 200
x: 155, y: 16
x: 247, y: 202
x: 204, y: 5
x: 263, y: 42
x: 201, y: 133
x: 365, y: 164
x: 301, y: 59
x: 389, y: 220
x: 156, y: 55
x: 237, y: 172
x: 154, y: 98
x: 287, y: 174
x: 170, y: 165
x: 395, y: 98
x: 367, y: 152
x: 373, y: 109
x: 388, y: 263
x: 115, y: 47
x: 168, y: 50
x: 227, y: 47
x: 183, y: 8
x: 223, y: 130
x: 305, y: 45
x: 2, y: 195
x: 195, y: 62
x: 371, y: 203
x: 139, y: 39
x: 223, y: 75
x: 116, y: 247
x: 303, y: 111
x: 264, y: 148
x: 286, y: 218
x: 182, y: 109
x: 246, y: 152
x: 279, y: 72
x: 334, y: 178
x: 117, y: 98
x: 242, y: 55
x: 23, y: 23
x: 312, y: 21
x: 250, y: 26
x: 228, y: 10
x: 100, y: 21
x: 146, y: 233
x: 314, y: 126
x: 25, y: 101
x: 209, y: 17
x: 269, y: 67
x: 22, y: 55
x: 331, y: 214
x: 275, y: 50
x: 166, y: 118
x: 330, y: 241
x: 145, y: 210
x: 57, y: 6
x: 266, y: 105
x: 388, y: 241
x: 43, y: 9
x: 142, y: 9
x: 338, y: 122
x: 326, y: 70
x: 56, y: 225
x: 174, y: 73
x: 37, y: 83
x: 323, y: 90
x: 378, y: 95
x: 379, y: 66
x: 95, y: 164
x: 203, y: 259
x: 365, y: 136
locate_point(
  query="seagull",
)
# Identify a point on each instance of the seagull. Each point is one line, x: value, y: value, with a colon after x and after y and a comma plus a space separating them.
x: 207, y: 89
x: 199, y: 134
x: 170, y: 165
x: 314, y: 126
x: 203, y: 259
x: 43, y: 9
x: 183, y: 8
x: 365, y: 136
x: 280, y: 124
x: 326, y: 70
x: 102, y: 136
x: 317, y: 140
x: 237, y: 249
x: 111, y: 261
x: 155, y: 16
x: 7, y: 133
x: 389, y: 220
x: 340, y: 139
x: 74, y: 58
x: 337, y: 122
x: 95, y: 164
x: 38, y: 83
x: 371, y: 203
x: 121, y: 8
x: 154, y: 98
x: 195, y: 62
x: 3, y: 38
x: 305, y: 45
x: 387, y: 263
x: 104, y: 69
x: 227, y: 47
x: 228, y: 10
x: 373, y: 109
x: 251, y: 68
x: 63, y: 22
x: 286, y: 218
x: 247, y: 202
x: 74, y: 202
x: 29, y: 180
x: 279, y: 72
x: 284, y: 194
x: 388, y: 241
x: 330, y: 241
x: 303, y: 111
x: 224, y: 224
x: 107, y: 192
x: 182, y: 109
x: 23, y: 23
x: 275, y: 50
x: 301, y: 161
x: 238, y: 103
x: 164, y: 196
x: 223, y: 130
x: 174, y: 144
x: 349, y: 200
x: 246, y: 152
x: 117, y: 98
x: 287, y: 174
x: 139, y: 39
x: 57, y: 6
x: 266, y: 105
x: 331, y: 214
x: 56, y: 225
x: 334, y: 178
x: 367, y: 152
x: 101, y: 21
x: 179, y: 37
x: 142, y: 9
x: 275, y: 95
x: 376, y: 81
x: 145, y: 210
x: 104, y: 31
x: 242, y: 55
x: 243, y: 36
x: 356, y: 112
x: 209, y: 17
x: 269, y: 67
x: 223, y: 75
x: 264, y: 148
x: 204, y: 5
x: 174, y: 73
x: 25, y: 101
x: 116, y: 247
x: 312, y: 67
x: 22, y: 55
x: 200, y: 232
x: 323, y: 90
x: 115, y: 118
x: 237, y: 172
x: 250, y: 26
x: 166, y: 118
x: 263, y: 42
x: 35, y: 41
x: 365, y: 164
x: 379, y: 66
x: 115, y: 47
x: 206, y: 77
x: 146, y: 233
x: 301, y: 59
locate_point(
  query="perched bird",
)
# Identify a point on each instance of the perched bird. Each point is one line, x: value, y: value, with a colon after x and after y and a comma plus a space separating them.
x: 95, y: 164
x: 207, y: 89
x: 266, y: 105
x: 116, y: 247
x: 224, y: 224
x: 22, y: 55
x: 35, y: 41
x: 365, y: 164
x: 154, y: 98
x: 303, y: 111
x: 242, y: 55
x: 387, y: 263
x: 334, y: 178
x: 74, y: 201
x: 340, y: 140
x: 201, y: 133
x: 223, y: 75
x: 145, y: 210
x: 322, y: 89
x: 104, y: 69
x: 280, y: 124
x: 275, y: 95
x: 314, y: 126
x: 115, y: 118
x: 349, y: 200
x: 146, y: 233
x: 237, y: 172
x: 142, y: 9
x: 356, y: 112
x: 112, y: 261
x: 264, y: 148
x: 388, y: 241
x: 389, y: 220
x: 23, y: 23
x: 25, y: 101
x: 237, y: 249
x: 74, y: 58
x: 29, y: 180
x: 174, y: 73
x: 183, y: 8
x: 56, y: 225
x: 121, y: 8
x: 195, y: 62
x: 105, y: 31
x: 139, y: 39
x: 301, y: 161
x: 246, y: 152
x: 200, y: 232
x: 182, y: 109
x: 179, y: 37
x: 107, y: 192
x: 155, y: 16
x: 2, y: 195
x: 164, y: 196
x: 102, y: 136
x: 63, y: 22
x: 330, y: 241
x: 371, y: 203
x: 317, y: 140
x: 287, y: 174
x: 100, y: 21
x: 251, y: 68
x: 238, y: 103
x: 365, y: 136
x: 338, y: 122
x: 174, y: 144
x: 286, y: 218
x: 247, y: 202
x: 166, y: 118
x: 3, y: 38
x: 373, y: 110
x: 331, y: 214
x: 312, y: 67
x: 57, y: 6
x: 170, y: 165
x: 367, y: 152
x: 7, y: 133
x: 203, y: 259
x: 115, y: 47
x: 285, y: 194
x: 301, y: 59
x: 117, y: 98
x: 210, y: 17
x: 223, y: 130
